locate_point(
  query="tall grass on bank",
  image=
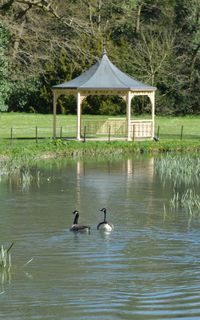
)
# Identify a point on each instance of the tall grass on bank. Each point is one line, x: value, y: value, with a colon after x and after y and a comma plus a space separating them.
x: 29, y: 150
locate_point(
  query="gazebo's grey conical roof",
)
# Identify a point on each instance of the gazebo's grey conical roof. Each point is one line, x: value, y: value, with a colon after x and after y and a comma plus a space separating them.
x: 102, y: 76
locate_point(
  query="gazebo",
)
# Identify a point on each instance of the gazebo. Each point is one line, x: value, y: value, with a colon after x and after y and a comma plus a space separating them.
x: 104, y: 78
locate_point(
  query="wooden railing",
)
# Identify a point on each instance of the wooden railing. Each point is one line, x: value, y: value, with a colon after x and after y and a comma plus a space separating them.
x: 141, y: 129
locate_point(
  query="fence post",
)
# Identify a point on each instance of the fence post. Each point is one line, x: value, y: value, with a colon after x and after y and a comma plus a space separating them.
x: 158, y: 132
x: 36, y: 134
x: 109, y: 133
x: 181, y: 137
x: 60, y: 132
x: 11, y: 135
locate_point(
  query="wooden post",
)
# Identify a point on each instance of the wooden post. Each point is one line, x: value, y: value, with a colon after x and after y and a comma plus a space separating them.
x: 78, y: 97
x: 181, y: 137
x: 109, y: 133
x: 128, y: 115
x: 11, y: 135
x: 55, y: 97
x: 61, y: 132
x: 158, y: 132
x: 36, y: 134
x: 152, y: 99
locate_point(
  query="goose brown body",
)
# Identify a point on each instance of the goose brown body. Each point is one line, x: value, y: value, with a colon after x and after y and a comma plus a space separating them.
x: 78, y: 227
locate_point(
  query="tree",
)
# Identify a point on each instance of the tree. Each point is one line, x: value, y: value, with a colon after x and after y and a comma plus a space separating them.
x: 52, y: 41
x: 187, y: 68
x: 4, y: 70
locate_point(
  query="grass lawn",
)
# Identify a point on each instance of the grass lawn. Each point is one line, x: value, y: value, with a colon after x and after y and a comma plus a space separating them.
x: 170, y: 127
x: 24, y: 125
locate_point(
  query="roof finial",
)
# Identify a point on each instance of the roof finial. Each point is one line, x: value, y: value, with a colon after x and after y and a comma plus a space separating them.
x: 104, y: 47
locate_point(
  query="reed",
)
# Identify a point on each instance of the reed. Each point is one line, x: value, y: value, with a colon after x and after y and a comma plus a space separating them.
x: 26, y: 179
x: 180, y: 169
x: 189, y: 200
x: 19, y: 171
x: 5, y: 258
x: 5, y: 278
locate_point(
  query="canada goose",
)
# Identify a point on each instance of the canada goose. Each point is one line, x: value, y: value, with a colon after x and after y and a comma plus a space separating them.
x: 156, y: 139
x: 105, y: 225
x: 76, y: 226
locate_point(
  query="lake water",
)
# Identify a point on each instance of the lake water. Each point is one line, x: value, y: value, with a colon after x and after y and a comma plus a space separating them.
x: 148, y: 267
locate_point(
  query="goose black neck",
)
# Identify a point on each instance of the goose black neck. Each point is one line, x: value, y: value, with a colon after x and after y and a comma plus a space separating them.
x: 76, y: 218
x: 104, y: 220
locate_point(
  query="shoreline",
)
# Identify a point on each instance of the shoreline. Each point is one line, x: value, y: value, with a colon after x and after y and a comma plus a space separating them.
x: 75, y: 149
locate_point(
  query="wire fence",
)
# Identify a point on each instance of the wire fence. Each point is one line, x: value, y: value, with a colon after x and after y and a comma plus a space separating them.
x: 94, y: 131
x: 178, y: 133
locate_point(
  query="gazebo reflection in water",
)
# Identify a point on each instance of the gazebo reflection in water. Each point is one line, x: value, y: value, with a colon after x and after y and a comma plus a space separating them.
x: 132, y: 170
